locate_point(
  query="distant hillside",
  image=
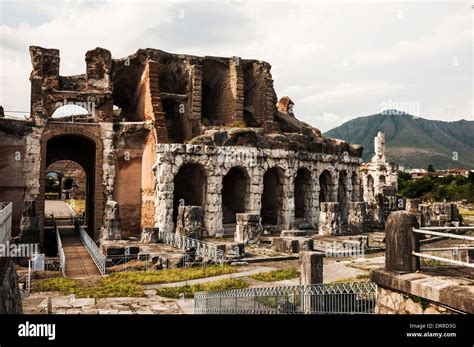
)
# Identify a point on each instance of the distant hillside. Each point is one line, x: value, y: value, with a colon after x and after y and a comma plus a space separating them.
x: 411, y: 141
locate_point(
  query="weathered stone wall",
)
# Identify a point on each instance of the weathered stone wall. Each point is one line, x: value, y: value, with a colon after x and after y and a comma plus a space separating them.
x: 10, y: 298
x: 393, y: 302
x: 217, y: 161
x: 12, y: 154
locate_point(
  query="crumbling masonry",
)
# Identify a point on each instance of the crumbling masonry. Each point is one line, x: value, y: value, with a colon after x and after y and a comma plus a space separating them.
x: 163, y: 130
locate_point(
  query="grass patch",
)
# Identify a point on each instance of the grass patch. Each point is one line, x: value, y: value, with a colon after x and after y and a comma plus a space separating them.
x: 131, y: 283
x: 101, y: 290
x: 277, y: 275
x: 358, y: 278
x: 188, y: 291
x: 168, y: 276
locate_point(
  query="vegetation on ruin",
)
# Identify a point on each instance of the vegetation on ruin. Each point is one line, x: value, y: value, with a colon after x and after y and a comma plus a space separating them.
x: 358, y: 278
x: 82, y: 290
x: 78, y: 206
x: 188, y: 291
x: 168, y: 276
x: 450, y: 188
x: 236, y: 124
x: 277, y: 275
x: 131, y: 283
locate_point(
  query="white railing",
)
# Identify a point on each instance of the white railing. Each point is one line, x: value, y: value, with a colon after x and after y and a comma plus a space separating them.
x: 205, y: 250
x: 437, y: 231
x: 6, y: 209
x: 61, y: 255
x: 94, y: 251
x: 333, y: 298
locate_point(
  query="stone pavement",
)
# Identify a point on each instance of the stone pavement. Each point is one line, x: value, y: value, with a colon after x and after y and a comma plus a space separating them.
x: 59, y: 208
x: 37, y: 303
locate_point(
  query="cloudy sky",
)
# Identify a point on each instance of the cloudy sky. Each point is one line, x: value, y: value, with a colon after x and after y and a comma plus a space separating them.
x: 336, y: 60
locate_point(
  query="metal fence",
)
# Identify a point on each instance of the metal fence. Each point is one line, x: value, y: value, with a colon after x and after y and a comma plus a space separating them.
x: 94, y: 251
x: 61, y: 255
x: 5, y: 221
x: 337, y: 298
x: 442, y: 232
x: 207, y: 251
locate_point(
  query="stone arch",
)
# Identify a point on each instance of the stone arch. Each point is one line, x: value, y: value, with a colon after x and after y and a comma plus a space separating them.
x: 190, y: 187
x: 235, y: 193
x: 94, y: 205
x: 273, y: 196
x: 325, y: 186
x: 303, y: 194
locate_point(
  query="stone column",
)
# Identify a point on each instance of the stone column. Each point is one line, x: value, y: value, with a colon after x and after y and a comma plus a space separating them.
x: 311, y: 267
x: 249, y: 228
x: 189, y: 222
x: 329, y: 218
x: 400, y: 242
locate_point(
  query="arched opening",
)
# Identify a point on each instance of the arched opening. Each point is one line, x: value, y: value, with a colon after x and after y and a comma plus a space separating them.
x: 67, y: 111
x: 382, y: 182
x: 75, y: 156
x: 189, y: 188
x: 68, y: 182
x: 235, y: 194
x: 325, y: 187
x: 53, y: 186
x: 177, y: 124
x: 272, y: 197
x: 355, y: 187
x: 370, y: 189
x: 342, y: 197
x: 303, y: 194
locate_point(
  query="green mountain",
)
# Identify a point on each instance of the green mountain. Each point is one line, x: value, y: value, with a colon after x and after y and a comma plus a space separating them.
x: 412, y: 141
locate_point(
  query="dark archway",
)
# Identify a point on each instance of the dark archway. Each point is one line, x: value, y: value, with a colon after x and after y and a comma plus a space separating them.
x: 272, y: 197
x: 342, y: 197
x: 177, y: 124
x: 355, y: 187
x: 325, y: 187
x: 235, y: 194
x: 382, y: 181
x: 68, y: 182
x: 189, y: 188
x: 82, y: 151
x: 303, y: 194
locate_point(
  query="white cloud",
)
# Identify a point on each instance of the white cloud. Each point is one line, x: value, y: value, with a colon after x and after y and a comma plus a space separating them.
x: 306, y: 44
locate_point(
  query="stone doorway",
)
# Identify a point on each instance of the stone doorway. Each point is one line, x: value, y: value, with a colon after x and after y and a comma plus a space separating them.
x: 272, y: 197
x: 189, y: 188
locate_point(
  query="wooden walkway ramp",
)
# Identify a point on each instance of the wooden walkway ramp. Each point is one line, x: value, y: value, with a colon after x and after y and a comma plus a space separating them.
x: 78, y: 261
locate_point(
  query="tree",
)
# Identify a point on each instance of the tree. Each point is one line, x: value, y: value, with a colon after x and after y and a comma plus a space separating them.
x: 431, y: 168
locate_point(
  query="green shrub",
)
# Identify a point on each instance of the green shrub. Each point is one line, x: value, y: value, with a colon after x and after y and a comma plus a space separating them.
x: 277, y: 275
x: 188, y: 291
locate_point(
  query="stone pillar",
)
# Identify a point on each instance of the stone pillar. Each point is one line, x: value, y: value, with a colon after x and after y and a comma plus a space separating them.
x: 329, y: 218
x: 311, y: 267
x: 189, y: 222
x: 357, y: 221
x: 249, y: 228
x: 112, y: 221
x: 400, y: 242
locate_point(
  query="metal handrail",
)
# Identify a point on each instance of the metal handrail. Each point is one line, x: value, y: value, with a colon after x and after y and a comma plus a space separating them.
x: 203, y: 249
x: 349, y: 297
x: 96, y: 254
x: 430, y: 231
x: 61, y: 255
